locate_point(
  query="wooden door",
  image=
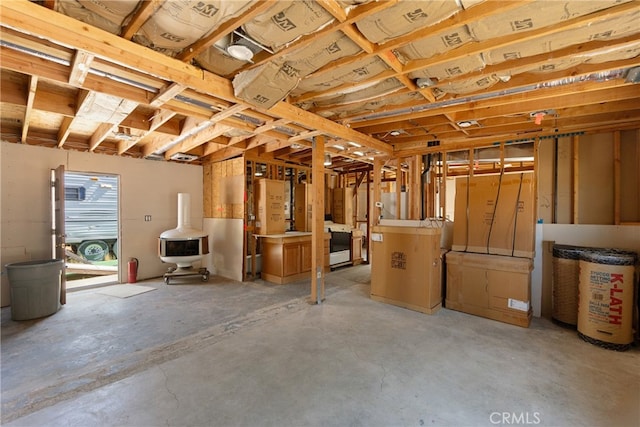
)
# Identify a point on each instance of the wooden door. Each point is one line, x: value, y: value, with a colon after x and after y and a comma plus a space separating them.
x: 57, y: 222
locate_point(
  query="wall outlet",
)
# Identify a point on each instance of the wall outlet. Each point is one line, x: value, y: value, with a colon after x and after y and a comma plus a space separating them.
x: 147, y: 218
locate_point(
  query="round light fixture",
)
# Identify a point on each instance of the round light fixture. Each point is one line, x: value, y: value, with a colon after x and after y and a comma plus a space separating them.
x: 240, y: 52
x: 465, y: 124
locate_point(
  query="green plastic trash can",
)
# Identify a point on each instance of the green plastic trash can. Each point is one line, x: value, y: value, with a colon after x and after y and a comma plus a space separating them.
x: 35, y: 288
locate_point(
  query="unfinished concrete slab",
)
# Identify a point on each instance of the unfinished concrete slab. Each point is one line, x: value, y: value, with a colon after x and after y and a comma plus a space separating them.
x: 229, y: 353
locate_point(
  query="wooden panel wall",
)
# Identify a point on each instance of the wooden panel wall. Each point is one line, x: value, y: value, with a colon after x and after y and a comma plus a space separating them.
x: 595, y: 179
x: 590, y: 179
x: 630, y: 176
x: 224, y: 189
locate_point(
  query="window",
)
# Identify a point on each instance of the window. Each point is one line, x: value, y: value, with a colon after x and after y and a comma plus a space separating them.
x: 76, y: 194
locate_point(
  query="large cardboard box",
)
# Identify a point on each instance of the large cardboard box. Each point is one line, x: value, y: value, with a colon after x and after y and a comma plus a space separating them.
x: 269, y: 195
x: 303, y: 207
x: 406, y: 267
x: 492, y: 286
x: 495, y: 214
x: 342, y: 212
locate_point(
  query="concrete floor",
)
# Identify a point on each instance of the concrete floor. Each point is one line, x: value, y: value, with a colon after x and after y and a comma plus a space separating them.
x: 256, y: 354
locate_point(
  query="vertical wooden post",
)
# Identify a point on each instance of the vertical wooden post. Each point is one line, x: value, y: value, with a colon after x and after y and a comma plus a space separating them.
x: 575, y: 207
x: 369, y: 210
x: 414, y: 179
x: 471, y: 161
x: 443, y: 190
x: 536, y: 173
x: 616, y: 178
x: 377, y: 196
x: 398, y: 188
x: 317, y: 220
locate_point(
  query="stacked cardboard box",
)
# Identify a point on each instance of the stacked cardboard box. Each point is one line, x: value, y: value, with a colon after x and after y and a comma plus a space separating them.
x: 342, y: 211
x: 269, y: 195
x: 303, y: 207
x: 494, y: 214
x: 489, y: 270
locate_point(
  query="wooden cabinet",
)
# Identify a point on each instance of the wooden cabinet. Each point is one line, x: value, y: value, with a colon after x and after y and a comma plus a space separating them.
x: 287, y: 257
x: 493, y: 286
x: 291, y: 259
x: 356, y: 246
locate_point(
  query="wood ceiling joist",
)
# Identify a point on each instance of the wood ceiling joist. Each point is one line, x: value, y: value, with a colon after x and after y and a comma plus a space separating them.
x: 537, y: 100
x: 463, y: 17
x: 359, y: 13
x: 146, y: 8
x: 198, y: 139
x: 159, y: 118
x: 478, y: 48
x: 41, y: 21
x: 204, y: 43
x: 33, y: 84
x: 80, y: 67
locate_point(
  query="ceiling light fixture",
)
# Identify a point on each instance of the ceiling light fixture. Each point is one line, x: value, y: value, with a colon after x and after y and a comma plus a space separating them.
x: 354, y: 144
x: 394, y: 133
x: 358, y: 153
x: 424, y: 82
x: 240, y: 52
x: 467, y: 123
x: 338, y: 146
x: 327, y: 159
x: 183, y: 157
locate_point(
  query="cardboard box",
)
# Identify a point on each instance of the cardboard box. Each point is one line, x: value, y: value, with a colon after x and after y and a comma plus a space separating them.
x: 342, y: 212
x: 492, y: 286
x: 495, y: 214
x: 303, y: 207
x: 269, y: 196
x: 406, y: 267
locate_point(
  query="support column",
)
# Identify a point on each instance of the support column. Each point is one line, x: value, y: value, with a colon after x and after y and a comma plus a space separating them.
x: 317, y: 220
x: 398, y: 188
x: 377, y: 196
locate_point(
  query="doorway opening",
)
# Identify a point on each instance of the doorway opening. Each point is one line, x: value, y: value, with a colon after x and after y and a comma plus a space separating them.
x: 91, y: 229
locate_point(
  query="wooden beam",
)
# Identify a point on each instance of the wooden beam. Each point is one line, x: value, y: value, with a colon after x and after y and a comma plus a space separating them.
x: 80, y: 67
x: 443, y: 193
x: 146, y: 8
x: 64, y: 131
x: 399, y: 188
x: 223, y: 29
x: 159, y: 118
x: 317, y: 221
x: 33, y: 84
x: 103, y: 131
x: 197, y: 139
x: 166, y: 94
x: 377, y: 192
x: 43, y: 22
x: 575, y: 182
